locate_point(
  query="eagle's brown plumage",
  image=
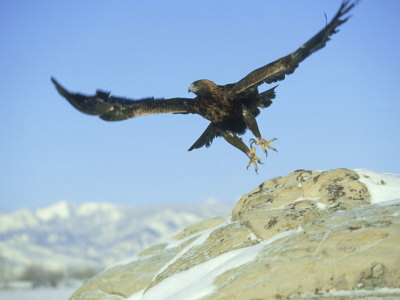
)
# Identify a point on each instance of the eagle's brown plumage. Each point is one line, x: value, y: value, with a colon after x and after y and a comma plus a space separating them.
x: 230, y: 108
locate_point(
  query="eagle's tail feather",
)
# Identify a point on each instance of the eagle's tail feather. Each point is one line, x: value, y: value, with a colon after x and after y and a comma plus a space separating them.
x: 266, y: 97
x: 206, y: 138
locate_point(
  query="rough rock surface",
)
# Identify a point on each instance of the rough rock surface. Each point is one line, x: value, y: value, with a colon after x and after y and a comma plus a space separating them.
x: 135, y: 274
x: 306, y: 235
x: 284, y: 203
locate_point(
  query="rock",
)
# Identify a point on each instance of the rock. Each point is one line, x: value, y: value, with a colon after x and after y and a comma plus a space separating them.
x: 285, y: 203
x: 305, y: 235
x: 225, y: 238
x: 337, y: 252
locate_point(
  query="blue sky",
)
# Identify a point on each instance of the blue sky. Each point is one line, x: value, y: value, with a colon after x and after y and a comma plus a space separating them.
x: 339, y: 109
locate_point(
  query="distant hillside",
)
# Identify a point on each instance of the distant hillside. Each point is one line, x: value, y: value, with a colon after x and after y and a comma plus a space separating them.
x: 65, y: 235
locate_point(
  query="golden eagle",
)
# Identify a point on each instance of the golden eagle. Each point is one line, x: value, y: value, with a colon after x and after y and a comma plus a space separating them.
x: 230, y: 108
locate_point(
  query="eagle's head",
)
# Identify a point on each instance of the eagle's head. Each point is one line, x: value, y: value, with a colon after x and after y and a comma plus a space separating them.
x: 202, y: 87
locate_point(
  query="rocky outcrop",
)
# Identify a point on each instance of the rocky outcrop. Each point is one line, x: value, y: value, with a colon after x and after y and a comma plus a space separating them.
x: 306, y: 235
x: 285, y: 203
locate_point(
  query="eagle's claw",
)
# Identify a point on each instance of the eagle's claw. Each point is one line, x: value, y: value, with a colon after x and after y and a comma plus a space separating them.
x: 253, y: 159
x: 263, y: 143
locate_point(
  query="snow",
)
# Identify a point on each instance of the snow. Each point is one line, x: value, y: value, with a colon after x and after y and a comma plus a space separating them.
x: 91, y: 207
x: 136, y: 296
x: 320, y: 205
x: 201, y: 238
x: 381, y: 186
x: 377, y: 293
x: 126, y: 261
x: 38, y: 294
x: 60, y: 210
x: 365, y: 293
x: 197, y: 282
x: 173, y: 243
x: 21, y: 219
x: 396, y: 214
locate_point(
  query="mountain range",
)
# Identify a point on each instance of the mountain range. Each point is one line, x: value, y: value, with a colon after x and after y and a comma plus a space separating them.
x: 66, y: 235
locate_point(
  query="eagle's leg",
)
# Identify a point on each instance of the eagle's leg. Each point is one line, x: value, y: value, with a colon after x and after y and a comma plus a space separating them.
x: 252, y: 125
x: 263, y: 143
x: 236, y: 141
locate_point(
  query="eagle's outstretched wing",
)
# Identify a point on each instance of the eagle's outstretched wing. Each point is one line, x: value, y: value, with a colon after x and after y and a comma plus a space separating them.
x: 111, y: 108
x: 277, y: 70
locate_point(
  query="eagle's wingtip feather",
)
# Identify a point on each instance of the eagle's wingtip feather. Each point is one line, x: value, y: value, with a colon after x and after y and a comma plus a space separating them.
x: 59, y: 87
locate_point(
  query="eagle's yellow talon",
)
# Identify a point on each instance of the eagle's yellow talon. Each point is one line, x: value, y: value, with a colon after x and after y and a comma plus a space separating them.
x: 263, y: 143
x: 253, y: 159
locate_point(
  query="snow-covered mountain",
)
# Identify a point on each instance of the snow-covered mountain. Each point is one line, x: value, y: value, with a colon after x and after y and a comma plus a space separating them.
x: 66, y: 235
